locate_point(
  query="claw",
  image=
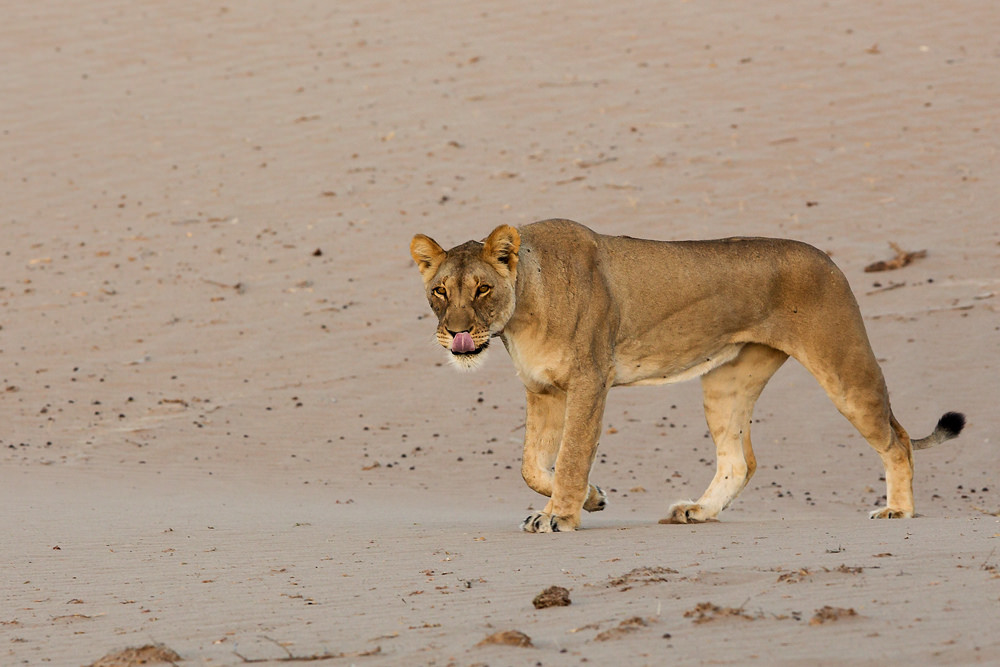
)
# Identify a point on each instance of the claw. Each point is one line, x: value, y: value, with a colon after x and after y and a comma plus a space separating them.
x: 546, y: 523
x: 889, y: 513
x: 599, y: 503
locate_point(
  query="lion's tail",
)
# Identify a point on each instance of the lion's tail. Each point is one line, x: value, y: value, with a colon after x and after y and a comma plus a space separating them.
x: 949, y: 426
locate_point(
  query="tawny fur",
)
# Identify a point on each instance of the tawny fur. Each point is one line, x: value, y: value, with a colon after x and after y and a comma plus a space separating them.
x: 580, y: 312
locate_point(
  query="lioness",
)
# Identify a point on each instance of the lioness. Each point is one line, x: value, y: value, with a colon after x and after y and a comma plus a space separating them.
x: 580, y: 312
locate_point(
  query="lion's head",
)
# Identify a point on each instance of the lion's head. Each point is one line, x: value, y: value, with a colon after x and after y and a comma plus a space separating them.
x: 470, y: 289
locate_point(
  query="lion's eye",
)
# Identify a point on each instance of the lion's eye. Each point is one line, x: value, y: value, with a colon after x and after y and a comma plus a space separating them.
x: 440, y: 292
x: 483, y: 290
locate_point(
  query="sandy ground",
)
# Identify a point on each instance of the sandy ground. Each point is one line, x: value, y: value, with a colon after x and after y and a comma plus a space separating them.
x: 227, y: 428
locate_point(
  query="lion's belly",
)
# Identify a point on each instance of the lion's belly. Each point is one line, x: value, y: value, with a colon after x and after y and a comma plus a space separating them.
x: 648, y: 370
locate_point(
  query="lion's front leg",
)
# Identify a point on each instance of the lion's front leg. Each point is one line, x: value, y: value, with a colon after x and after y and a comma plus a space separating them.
x: 546, y: 413
x: 568, y: 484
x: 542, y: 434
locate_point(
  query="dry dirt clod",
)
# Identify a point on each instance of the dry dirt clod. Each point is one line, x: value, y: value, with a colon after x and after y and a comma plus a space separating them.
x: 508, y: 638
x: 705, y: 612
x: 627, y: 626
x: 829, y: 613
x: 553, y: 596
x: 150, y: 654
x: 642, y: 575
x: 795, y: 576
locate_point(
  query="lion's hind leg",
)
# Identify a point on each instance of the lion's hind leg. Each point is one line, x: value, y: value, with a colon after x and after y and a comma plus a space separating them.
x: 846, y: 368
x: 897, y: 457
x: 730, y: 392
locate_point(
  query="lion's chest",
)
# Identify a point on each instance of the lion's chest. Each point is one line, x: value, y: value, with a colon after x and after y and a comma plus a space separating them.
x: 536, y: 364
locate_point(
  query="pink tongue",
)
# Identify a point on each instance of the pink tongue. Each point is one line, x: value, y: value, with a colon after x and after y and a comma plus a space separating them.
x: 462, y: 342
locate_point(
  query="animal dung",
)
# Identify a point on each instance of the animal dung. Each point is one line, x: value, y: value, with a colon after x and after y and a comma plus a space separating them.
x: 553, y: 596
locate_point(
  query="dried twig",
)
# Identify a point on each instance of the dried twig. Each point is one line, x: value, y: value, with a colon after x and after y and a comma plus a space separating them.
x: 890, y: 286
x: 316, y: 657
x: 901, y: 259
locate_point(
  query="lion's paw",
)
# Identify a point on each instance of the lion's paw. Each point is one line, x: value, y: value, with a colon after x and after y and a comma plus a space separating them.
x: 687, y: 512
x: 540, y: 522
x: 890, y: 513
x: 597, y: 500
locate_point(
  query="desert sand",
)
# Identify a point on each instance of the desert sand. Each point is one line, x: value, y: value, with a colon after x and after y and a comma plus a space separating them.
x: 228, y: 432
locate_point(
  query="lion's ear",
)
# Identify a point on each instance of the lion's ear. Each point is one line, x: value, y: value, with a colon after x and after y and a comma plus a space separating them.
x: 427, y: 254
x: 501, y: 246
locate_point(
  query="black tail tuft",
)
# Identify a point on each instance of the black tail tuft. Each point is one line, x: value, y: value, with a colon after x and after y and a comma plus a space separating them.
x: 952, y: 423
